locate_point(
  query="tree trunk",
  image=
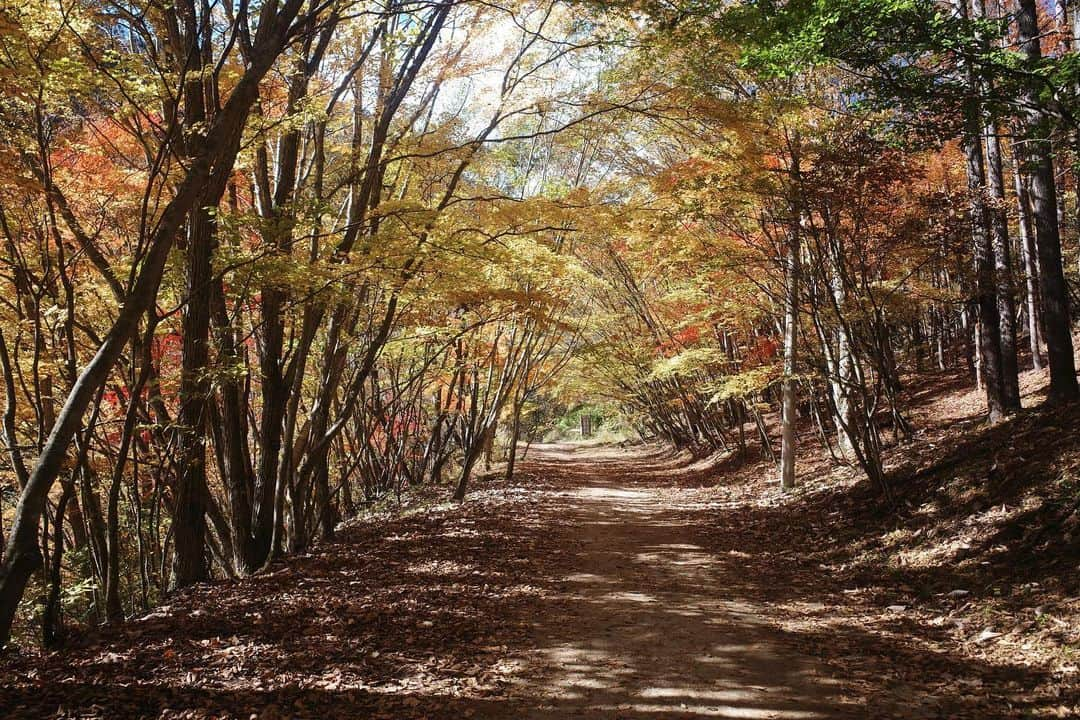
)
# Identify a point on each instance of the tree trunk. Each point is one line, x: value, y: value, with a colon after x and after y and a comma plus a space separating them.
x: 472, y: 454
x: 1003, y: 276
x: 1040, y: 166
x: 515, y: 436
x: 791, y: 337
x: 1028, y: 256
x: 233, y: 427
x: 843, y: 379
x: 190, y: 563
x: 114, y: 610
x: 51, y: 619
x: 988, y: 326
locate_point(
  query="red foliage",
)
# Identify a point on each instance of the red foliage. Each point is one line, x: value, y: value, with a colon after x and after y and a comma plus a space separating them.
x: 764, y: 349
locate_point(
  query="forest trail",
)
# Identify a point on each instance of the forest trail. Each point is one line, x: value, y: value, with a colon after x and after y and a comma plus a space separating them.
x: 600, y: 583
x: 650, y: 625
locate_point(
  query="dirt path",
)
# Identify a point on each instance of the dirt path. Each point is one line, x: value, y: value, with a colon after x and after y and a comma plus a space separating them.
x: 601, y: 584
x: 646, y: 626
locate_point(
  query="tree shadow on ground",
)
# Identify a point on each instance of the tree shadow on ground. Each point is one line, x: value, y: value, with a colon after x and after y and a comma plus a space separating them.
x: 762, y: 558
x: 602, y: 584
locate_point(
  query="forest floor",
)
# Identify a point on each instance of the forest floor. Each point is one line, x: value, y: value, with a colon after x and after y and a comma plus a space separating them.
x: 612, y: 583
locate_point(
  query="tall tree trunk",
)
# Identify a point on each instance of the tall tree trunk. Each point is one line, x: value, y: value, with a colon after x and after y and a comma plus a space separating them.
x: 275, y: 386
x: 190, y: 562
x: 789, y: 384
x: 51, y: 620
x: 843, y: 380
x: 141, y: 354
x: 1040, y: 166
x: 1029, y: 259
x: 1003, y: 276
x: 989, y: 328
x: 515, y: 436
x: 233, y: 427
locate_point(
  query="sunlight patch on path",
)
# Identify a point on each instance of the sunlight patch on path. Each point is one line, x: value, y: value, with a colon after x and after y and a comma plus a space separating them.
x: 609, y: 493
